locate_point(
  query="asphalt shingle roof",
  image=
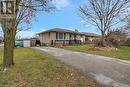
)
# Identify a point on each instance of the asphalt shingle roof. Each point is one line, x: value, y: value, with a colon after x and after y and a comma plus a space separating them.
x: 60, y: 30
x: 90, y: 34
x: 69, y: 31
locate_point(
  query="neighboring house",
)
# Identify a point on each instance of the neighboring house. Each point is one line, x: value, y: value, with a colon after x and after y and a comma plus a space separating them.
x: 90, y: 37
x: 61, y: 36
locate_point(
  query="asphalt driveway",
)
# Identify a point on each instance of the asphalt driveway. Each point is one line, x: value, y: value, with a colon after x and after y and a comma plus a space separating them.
x: 107, y: 71
x: 1, y: 45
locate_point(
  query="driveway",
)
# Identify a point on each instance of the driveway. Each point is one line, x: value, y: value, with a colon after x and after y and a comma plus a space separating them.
x: 1, y: 45
x: 107, y: 71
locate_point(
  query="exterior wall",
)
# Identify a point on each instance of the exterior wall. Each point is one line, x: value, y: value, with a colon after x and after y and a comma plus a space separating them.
x: 52, y: 38
x: 81, y: 37
x: 49, y: 38
x: 84, y: 38
x: 44, y: 38
x: 90, y: 40
x: 52, y: 35
x: 67, y: 36
x: 72, y: 37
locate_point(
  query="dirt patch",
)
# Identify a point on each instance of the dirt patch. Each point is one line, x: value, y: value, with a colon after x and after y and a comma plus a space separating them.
x: 58, y: 45
x: 103, y: 49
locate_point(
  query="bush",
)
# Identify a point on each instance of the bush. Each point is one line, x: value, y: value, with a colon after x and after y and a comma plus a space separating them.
x: 111, y: 42
x: 99, y: 43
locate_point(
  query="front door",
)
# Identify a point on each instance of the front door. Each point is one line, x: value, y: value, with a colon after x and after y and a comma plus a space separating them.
x: 52, y: 42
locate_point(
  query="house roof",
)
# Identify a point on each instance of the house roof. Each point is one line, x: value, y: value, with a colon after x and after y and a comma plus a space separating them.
x: 69, y: 31
x: 60, y: 30
x: 90, y: 34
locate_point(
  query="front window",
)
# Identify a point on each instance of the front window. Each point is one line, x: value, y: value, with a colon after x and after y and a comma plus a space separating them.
x: 56, y: 35
x: 60, y: 36
x: 64, y: 35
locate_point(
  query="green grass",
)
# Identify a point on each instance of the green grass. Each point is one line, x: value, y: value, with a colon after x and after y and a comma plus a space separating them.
x: 36, y: 69
x: 122, y: 53
x: 1, y: 54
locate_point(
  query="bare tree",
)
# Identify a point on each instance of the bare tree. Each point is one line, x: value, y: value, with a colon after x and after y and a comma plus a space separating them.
x: 25, y: 11
x: 127, y: 26
x: 103, y: 14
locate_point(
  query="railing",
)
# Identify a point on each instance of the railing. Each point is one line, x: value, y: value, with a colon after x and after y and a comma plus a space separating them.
x: 67, y: 42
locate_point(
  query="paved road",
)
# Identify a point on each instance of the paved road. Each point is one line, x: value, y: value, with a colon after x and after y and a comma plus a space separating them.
x: 107, y: 71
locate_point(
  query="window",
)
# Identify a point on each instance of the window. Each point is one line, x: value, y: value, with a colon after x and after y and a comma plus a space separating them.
x: 56, y: 35
x: 61, y: 35
x: 64, y: 35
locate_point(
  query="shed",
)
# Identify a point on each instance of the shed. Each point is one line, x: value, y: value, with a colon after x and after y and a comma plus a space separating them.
x: 26, y: 42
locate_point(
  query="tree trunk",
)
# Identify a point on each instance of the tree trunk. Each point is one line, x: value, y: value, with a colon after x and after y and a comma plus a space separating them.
x: 104, y: 44
x: 9, y: 38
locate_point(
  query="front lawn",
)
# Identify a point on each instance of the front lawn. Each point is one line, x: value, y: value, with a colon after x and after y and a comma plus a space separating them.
x: 1, y: 54
x: 36, y: 69
x: 122, y: 53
